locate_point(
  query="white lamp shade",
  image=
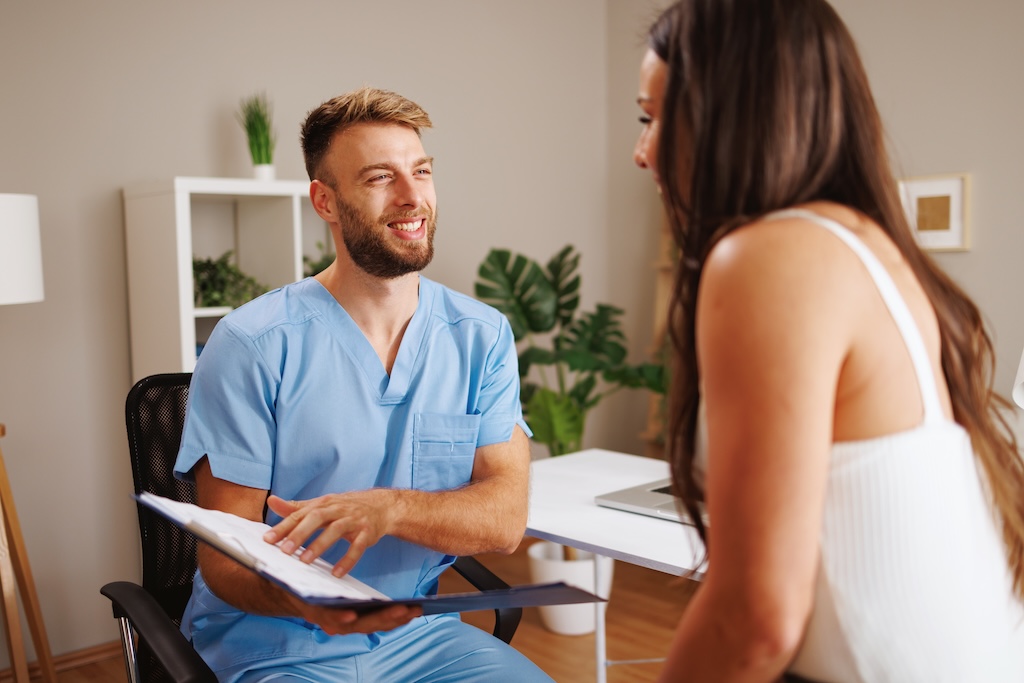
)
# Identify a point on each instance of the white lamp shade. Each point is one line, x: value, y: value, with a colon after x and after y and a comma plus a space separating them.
x: 21, y: 255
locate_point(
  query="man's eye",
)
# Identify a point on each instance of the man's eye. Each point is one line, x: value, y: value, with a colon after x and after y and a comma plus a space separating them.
x: 424, y: 171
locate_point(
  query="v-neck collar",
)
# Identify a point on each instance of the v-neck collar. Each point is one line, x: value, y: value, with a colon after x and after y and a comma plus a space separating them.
x: 390, y: 389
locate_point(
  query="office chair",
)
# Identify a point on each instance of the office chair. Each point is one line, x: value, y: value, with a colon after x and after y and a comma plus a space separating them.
x: 149, y: 615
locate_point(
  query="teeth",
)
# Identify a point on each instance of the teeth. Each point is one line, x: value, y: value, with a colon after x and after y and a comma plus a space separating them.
x: 407, y: 227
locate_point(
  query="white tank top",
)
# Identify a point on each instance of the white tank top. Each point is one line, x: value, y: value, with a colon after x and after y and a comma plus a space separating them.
x: 913, y: 583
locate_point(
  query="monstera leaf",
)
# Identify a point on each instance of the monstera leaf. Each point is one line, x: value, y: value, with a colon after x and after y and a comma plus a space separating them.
x: 556, y: 420
x: 518, y: 287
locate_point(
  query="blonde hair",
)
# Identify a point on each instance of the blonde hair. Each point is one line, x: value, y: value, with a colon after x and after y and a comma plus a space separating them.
x: 365, y: 105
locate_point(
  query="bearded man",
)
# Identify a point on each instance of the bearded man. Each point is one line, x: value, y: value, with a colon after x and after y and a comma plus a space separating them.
x: 367, y: 413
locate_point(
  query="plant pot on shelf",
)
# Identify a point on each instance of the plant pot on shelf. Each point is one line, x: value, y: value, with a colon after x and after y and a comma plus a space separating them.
x: 548, y: 564
x: 264, y: 172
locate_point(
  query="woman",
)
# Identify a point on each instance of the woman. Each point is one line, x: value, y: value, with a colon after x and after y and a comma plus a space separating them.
x: 865, y: 497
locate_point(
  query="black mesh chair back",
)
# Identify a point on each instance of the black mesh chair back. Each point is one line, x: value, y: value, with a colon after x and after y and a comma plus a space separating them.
x: 155, y: 417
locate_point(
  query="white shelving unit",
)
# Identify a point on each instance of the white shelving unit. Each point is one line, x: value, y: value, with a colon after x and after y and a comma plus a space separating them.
x: 268, y: 224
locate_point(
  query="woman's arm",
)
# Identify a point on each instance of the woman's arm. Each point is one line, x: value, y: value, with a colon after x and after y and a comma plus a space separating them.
x: 774, y: 325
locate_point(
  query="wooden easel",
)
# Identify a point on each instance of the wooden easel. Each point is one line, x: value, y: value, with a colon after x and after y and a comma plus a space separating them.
x: 14, y: 566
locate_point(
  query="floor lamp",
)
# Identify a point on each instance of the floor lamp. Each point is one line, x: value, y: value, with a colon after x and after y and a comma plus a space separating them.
x: 21, y: 282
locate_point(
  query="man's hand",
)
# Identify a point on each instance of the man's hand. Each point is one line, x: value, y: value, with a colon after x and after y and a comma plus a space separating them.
x: 336, y: 622
x: 487, y: 515
x: 359, y: 517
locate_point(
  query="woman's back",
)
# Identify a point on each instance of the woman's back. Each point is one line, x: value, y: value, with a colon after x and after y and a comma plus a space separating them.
x: 913, y: 583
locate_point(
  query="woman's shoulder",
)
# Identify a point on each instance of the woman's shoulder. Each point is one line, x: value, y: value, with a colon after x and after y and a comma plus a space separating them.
x: 785, y: 250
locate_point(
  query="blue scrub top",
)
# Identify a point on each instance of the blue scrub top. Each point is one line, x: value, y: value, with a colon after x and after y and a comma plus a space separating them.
x: 289, y: 396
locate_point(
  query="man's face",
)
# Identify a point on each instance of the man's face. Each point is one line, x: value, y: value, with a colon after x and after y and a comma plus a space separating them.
x: 386, y: 203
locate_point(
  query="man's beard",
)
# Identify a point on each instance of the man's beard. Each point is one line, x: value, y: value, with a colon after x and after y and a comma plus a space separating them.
x: 371, y: 250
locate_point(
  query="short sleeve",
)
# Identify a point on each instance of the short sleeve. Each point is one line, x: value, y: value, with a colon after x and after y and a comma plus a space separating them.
x: 230, y: 416
x: 498, y: 402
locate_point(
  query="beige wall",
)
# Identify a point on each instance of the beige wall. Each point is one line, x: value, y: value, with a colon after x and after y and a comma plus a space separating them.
x: 946, y: 75
x: 533, y: 103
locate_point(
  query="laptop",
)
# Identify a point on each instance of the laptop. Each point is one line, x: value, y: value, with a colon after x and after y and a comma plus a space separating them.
x: 653, y: 499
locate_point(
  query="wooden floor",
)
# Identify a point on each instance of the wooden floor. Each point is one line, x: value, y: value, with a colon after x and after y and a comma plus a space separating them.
x: 642, y: 613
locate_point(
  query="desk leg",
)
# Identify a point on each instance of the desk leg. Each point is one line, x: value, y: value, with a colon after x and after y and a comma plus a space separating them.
x: 599, y: 625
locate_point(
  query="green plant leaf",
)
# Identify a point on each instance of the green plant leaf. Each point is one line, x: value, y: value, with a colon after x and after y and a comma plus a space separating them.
x: 518, y: 288
x: 595, y: 341
x: 566, y: 282
x: 219, y: 282
x: 534, y: 355
x: 556, y: 421
x: 254, y: 115
x: 582, y: 390
x: 652, y: 376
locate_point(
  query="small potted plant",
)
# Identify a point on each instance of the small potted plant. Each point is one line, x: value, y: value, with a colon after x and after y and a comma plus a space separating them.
x: 582, y: 362
x: 254, y: 115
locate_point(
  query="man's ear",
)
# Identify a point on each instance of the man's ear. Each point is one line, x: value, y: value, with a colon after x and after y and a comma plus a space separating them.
x: 322, y: 197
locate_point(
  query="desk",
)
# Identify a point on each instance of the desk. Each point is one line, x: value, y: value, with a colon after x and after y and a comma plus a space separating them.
x: 562, y: 510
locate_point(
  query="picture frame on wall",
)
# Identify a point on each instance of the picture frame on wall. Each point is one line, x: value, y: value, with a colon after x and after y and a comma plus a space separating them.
x: 936, y: 208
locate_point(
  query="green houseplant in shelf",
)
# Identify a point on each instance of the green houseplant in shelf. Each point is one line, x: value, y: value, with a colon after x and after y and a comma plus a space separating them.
x: 254, y: 115
x: 584, y: 359
x: 219, y: 282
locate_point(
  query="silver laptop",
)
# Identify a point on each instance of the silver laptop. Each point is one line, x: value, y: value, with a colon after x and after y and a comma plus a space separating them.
x: 653, y: 499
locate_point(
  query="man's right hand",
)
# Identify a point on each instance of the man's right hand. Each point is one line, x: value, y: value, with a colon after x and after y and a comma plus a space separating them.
x: 359, y: 517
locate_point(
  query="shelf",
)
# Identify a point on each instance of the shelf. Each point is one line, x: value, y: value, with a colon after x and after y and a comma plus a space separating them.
x: 268, y: 225
x: 213, y: 311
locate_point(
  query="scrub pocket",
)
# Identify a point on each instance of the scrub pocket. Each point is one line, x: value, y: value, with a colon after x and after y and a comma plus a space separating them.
x: 443, y: 447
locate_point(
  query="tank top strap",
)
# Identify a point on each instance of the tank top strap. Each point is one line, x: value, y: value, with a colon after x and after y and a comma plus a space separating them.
x: 894, y: 302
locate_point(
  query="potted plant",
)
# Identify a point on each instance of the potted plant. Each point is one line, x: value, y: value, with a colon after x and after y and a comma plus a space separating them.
x: 578, y: 358
x: 254, y: 115
x: 219, y: 282
x: 584, y: 360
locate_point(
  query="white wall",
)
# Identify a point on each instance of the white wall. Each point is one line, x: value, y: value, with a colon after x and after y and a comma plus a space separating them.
x: 533, y: 103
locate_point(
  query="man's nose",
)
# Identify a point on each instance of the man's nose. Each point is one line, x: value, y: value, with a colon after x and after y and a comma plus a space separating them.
x: 408, y: 191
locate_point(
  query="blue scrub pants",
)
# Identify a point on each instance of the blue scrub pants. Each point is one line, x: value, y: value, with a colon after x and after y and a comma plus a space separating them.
x: 442, y: 651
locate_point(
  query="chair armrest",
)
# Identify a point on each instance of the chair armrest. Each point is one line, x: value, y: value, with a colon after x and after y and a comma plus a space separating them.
x: 131, y: 601
x: 506, y: 619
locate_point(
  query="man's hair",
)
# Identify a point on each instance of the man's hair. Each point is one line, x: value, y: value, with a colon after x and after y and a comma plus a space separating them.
x: 365, y: 105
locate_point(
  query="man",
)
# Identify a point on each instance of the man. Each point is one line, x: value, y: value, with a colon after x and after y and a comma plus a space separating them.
x: 375, y: 414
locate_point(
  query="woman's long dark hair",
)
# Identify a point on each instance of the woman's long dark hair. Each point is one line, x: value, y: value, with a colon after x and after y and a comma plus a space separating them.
x: 766, y: 106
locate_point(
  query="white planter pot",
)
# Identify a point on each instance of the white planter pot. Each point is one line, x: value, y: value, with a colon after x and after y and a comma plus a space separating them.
x: 263, y: 172
x: 548, y: 566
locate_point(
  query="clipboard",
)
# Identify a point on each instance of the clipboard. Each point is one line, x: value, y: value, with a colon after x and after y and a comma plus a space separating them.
x: 242, y: 540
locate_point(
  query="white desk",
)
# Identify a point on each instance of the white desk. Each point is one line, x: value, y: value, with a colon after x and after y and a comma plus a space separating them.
x: 562, y: 510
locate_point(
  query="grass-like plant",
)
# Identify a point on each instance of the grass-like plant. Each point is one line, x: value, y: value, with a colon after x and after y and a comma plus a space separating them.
x: 254, y: 115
